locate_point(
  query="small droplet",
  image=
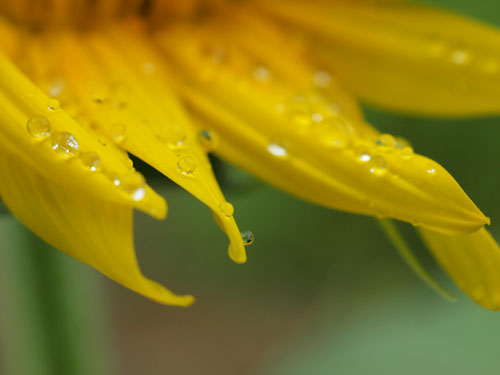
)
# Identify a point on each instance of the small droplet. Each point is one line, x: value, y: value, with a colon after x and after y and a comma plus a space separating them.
x: 386, y: 140
x: 91, y: 160
x: 262, y: 74
x: 460, y: 57
x: 54, y: 104
x: 227, y: 209
x: 277, y: 150
x: 206, y: 140
x: 38, y: 127
x: 115, y: 179
x: 378, y: 165
x: 148, y: 68
x: 400, y: 143
x: 330, y: 133
x: 134, y: 184
x: 99, y: 93
x: 407, y: 152
x: 247, y: 237
x: 118, y: 132
x: 431, y: 169
x: 322, y: 79
x: 363, y: 154
x: 317, y: 117
x: 300, y: 113
x: 172, y: 134
x: 56, y: 87
x: 186, y: 164
x: 65, y: 144
x: 103, y: 141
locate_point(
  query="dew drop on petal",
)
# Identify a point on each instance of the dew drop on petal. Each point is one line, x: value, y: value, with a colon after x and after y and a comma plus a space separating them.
x: 431, y: 169
x: 118, y: 132
x: 407, y: 152
x: 65, y: 144
x: 386, y: 140
x: 227, y: 209
x: 322, y: 79
x: 460, y: 57
x: 206, y: 140
x: 378, y: 165
x: 91, y: 160
x: 262, y: 74
x: 38, y: 127
x: 186, y: 164
x: 248, y: 237
x: 54, y: 104
x: 134, y: 185
x: 363, y: 154
x: 277, y: 150
x: 173, y: 134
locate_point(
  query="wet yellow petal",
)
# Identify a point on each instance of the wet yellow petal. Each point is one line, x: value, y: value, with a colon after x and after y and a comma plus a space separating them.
x: 117, y: 86
x: 92, y: 230
x: 299, y: 140
x: 35, y: 131
x: 473, y: 261
x: 403, y: 56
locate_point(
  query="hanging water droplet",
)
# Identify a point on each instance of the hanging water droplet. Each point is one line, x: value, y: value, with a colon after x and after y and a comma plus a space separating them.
x: 322, y: 79
x: 227, y: 209
x: 65, y: 144
x: 54, y: 104
x: 117, y: 132
x: 363, y: 154
x: 186, y: 164
x: 378, y: 165
x: 277, y: 150
x: 134, y: 184
x: 206, y: 140
x: 91, y: 160
x: 262, y: 74
x: 247, y: 237
x: 431, y: 169
x: 38, y: 127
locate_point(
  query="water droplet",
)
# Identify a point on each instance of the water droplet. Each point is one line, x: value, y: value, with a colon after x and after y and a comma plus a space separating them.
x: 460, y: 57
x: 407, y: 152
x: 133, y: 184
x: 99, y: 93
x: 91, y: 160
x: 148, y: 68
x: 56, y: 87
x: 317, y: 117
x: 247, y: 237
x: 277, y: 150
x: 262, y: 74
x: 54, y: 104
x: 206, y: 140
x: 227, y: 209
x: 65, y: 144
x: 400, y: 143
x: 363, y: 154
x: 300, y: 113
x: 118, y: 132
x: 386, y: 140
x: 38, y: 127
x: 103, y: 141
x: 330, y: 133
x: 378, y: 165
x: 322, y: 79
x: 186, y: 164
x: 173, y: 134
x: 431, y: 169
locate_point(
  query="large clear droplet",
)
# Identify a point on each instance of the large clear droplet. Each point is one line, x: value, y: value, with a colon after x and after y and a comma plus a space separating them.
x: 186, y: 164
x: 378, y: 165
x: 65, y: 144
x: 38, y: 127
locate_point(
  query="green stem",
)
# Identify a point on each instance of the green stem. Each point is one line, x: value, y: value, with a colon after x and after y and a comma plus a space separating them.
x: 51, y: 320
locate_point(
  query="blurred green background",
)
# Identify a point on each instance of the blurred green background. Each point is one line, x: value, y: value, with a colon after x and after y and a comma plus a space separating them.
x: 323, y: 292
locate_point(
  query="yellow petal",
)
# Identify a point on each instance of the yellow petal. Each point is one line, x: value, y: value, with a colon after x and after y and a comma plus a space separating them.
x: 117, y: 86
x: 37, y: 132
x: 403, y: 56
x: 299, y: 140
x: 92, y: 230
x: 473, y: 261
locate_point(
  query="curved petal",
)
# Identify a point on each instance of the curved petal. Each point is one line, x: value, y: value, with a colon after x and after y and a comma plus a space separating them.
x: 403, y: 56
x: 92, y: 230
x: 117, y: 86
x: 473, y: 261
x: 299, y: 140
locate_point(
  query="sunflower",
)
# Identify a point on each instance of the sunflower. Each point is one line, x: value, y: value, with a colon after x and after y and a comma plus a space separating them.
x: 271, y: 87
